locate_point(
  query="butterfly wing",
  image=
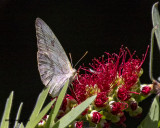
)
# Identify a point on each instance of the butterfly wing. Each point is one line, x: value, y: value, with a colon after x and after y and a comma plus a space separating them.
x: 156, y: 87
x: 53, y: 63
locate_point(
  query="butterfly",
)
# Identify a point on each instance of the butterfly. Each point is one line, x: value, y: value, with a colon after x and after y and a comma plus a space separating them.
x: 53, y: 64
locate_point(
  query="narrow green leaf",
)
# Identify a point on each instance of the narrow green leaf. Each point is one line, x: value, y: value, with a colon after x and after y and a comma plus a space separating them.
x: 18, y: 115
x: 151, y: 54
x: 40, y: 101
x: 159, y: 117
x: 34, y: 122
x: 5, y: 117
x: 55, y: 110
x: 152, y: 118
x: 21, y: 125
x: 73, y: 114
x: 158, y: 123
x: 156, y: 22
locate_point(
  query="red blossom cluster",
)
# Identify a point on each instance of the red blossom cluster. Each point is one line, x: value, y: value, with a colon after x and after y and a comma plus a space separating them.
x: 109, y: 75
x: 115, y: 81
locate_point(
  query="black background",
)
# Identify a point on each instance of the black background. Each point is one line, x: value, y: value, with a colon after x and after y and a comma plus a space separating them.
x: 94, y: 26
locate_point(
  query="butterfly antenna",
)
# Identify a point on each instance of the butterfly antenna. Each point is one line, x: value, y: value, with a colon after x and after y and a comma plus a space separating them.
x: 81, y: 58
x: 70, y: 59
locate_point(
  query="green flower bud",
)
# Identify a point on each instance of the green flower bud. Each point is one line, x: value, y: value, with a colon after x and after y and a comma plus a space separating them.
x: 115, y: 119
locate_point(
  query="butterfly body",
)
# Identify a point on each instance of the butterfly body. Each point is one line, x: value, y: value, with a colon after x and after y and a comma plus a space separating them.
x: 53, y: 64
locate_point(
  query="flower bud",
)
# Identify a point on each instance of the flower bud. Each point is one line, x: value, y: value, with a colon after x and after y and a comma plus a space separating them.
x: 122, y: 120
x: 85, y: 112
x: 41, y: 124
x: 45, y: 118
x: 133, y: 105
x: 104, y: 124
x: 116, y: 108
x: 145, y: 90
x: 108, y: 115
x: 123, y: 94
x: 136, y: 112
x: 95, y: 117
x: 78, y: 124
x: 115, y: 119
x: 101, y: 99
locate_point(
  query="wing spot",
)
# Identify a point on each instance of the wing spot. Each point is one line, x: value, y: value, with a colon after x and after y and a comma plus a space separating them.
x: 52, y: 42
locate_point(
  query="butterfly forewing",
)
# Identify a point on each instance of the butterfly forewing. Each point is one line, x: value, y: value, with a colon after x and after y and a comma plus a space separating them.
x: 53, y: 63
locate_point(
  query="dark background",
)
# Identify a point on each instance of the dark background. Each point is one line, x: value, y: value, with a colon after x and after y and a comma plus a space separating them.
x: 94, y: 26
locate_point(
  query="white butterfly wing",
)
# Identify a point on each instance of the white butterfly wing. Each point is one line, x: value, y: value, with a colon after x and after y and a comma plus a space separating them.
x: 53, y: 63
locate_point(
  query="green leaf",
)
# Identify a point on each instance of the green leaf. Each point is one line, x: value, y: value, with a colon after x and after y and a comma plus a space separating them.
x: 18, y: 115
x: 156, y: 22
x: 21, y: 125
x: 158, y: 123
x: 152, y: 118
x: 55, y: 110
x: 73, y: 114
x: 159, y: 118
x: 151, y: 54
x: 5, y: 117
x: 40, y: 101
x: 33, y: 123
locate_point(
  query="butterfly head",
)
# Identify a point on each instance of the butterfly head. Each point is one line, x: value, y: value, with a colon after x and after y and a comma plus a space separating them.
x: 73, y: 75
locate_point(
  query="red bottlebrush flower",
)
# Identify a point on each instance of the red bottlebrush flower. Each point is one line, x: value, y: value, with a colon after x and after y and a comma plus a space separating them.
x: 60, y: 115
x: 133, y: 105
x: 130, y: 70
x: 45, y: 117
x: 67, y: 105
x: 85, y: 112
x: 41, y: 123
x: 106, y: 75
x: 101, y: 99
x: 118, y: 107
x: 123, y: 94
x: 106, y: 125
x: 106, y: 71
x: 84, y: 86
x: 145, y: 90
x: 66, y: 101
x: 122, y: 120
x: 64, y: 104
x: 95, y: 117
x: 79, y: 124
